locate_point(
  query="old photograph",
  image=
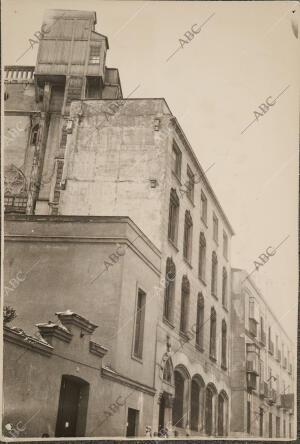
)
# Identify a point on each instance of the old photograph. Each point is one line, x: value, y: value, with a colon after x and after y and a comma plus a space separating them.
x: 150, y: 162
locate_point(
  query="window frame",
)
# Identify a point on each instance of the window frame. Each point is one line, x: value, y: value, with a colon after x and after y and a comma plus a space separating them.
x: 178, y: 159
x: 203, y: 207
x: 190, y: 183
x: 214, y: 274
x: 225, y: 245
x: 215, y: 228
x: 173, y: 217
x: 188, y: 237
x: 138, y: 355
x: 184, y: 305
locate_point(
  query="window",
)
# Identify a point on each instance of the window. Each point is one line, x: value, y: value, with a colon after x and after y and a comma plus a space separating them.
x: 34, y: 135
x: 168, y: 371
x: 170, y: 289
x: 224, y: 287
x: 215, y: 228
x: 176, y: 160
x: 202, y: 256
x: 224, y: 345
x: 94, y: 57
x: 139, y: 324
x: 200, y: 321
x: 190, y: 184
x: 261, y: 421
x: 214, y: 274
x: 187, y: 240
x: 185, y: 296
x: 203, y: 207
x: 213, y: 338
x: 225, y: 245
x: 173, y: 216
x: 248, y: 417
x: 277, y: 427
x: 270, y: 425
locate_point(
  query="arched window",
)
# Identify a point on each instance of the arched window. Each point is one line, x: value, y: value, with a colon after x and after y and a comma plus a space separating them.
x: 214, y: 274
x: 222, y: 414
x: 170, y: 290
x: 34, y: 135
x: 185, y: 296
x: 187, y: 240
x: 200, y: 321
x: 210, y: 409
x: 180, y: 406
x: 224, y: 287
x: 224, y: 345
x: 202, y: 256
x: 213, y: 331
x: 197, y: 403
x: 173, y: 216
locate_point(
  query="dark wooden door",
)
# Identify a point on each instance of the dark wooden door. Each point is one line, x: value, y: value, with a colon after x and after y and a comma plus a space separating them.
x: 68, y: 408
x: 131, y: 422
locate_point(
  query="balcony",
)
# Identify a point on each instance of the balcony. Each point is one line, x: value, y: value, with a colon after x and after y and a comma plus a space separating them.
x: 287, y: 401
x: 271, y: 347
x: 262, y: 338
x: 284, y: 363
x: 19, y: 74
x: 252, y: 327
x: 251, y: 381
x: 272, y: 396
x: 278, y: 356
x: 252, y: 367
x: 263, y: 390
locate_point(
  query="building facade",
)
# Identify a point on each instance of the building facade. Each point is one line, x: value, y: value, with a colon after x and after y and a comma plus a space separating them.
x: 262, y: 372
x: 87, y: 174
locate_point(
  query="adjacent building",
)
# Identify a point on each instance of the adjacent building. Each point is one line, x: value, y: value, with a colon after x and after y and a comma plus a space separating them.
x: 90, y: 176
x: 262, y: 374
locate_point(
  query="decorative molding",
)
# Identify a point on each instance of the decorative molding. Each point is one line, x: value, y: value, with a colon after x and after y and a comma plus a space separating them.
x: 123, y: 380
x: 97, y: 349
x: 18, y: 337
x: 68, y: 318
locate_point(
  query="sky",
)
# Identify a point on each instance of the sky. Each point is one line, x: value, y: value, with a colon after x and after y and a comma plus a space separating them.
x: 244, y: 55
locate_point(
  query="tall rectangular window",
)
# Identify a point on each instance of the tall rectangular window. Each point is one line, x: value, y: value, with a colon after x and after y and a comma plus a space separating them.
x: 215, y: 228
x: 176, y: 160
x: 200, y: 321
x: 248, y: 417
x: 190, y: 184
x: 213, y: 331
x: 261, y: 421
x: 277, y: 427
x: 203, y: 207
x: 173, y: 216
x: 139, y: 324
x: 225, y: 245
x: 270, y: 425
x: 187, y: 240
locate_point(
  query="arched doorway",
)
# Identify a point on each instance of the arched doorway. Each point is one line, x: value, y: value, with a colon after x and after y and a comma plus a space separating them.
x: 197, y: 402
x: 72, y: 408
x: 180, y: 406
x: 222, y: 413
x: 210, y: 409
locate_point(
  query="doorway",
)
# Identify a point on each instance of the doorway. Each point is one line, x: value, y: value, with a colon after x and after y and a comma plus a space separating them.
x: 161, y: 414
x: 132, y: 422
x: 72, y: 408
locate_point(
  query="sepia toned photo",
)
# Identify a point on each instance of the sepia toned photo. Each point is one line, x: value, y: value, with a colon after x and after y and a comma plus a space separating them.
x: 149, y: 186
